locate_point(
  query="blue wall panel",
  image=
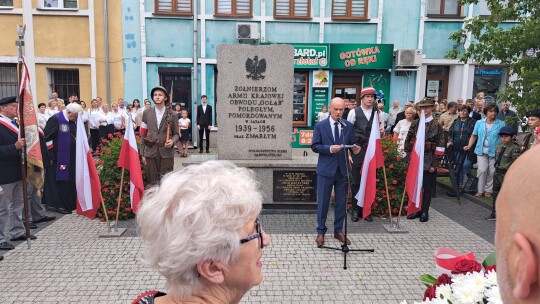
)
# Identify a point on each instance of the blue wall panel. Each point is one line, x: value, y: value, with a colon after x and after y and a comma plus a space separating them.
x: 169, y: 37
x: 350, y: 33
x: 436, y: 42
x: 401, y: 23
x: 131, y: 48
x: 219, y: 32
x: 292, y: 32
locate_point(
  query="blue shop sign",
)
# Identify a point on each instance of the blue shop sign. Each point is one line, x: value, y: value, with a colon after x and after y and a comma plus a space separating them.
x: 488, y: 72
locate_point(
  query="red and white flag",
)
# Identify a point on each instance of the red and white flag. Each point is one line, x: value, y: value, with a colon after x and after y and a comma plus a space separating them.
x: 415, y: 173
x: 374, y: 159
x: 129, y: 159
x: 86, y: 176
x: 31, y: 129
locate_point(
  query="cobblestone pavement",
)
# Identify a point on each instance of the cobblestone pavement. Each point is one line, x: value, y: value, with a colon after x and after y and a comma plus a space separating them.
x: 70, y: 263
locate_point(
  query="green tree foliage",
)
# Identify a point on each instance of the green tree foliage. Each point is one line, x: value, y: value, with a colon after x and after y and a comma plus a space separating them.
x: 511, y: 31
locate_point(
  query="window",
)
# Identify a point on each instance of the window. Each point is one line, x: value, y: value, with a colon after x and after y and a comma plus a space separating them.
x: 59, y: 4
x: 8, y: 80
x: 234, y: 8
x: 292, y: 9
x: 349, y: 9
x: 6, y: 3
x: 65, y: 82
x: 177, y: 7
x: 444, y: 8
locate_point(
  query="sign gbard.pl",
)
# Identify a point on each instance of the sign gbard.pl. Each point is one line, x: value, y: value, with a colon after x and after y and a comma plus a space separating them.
x: 310, y: 56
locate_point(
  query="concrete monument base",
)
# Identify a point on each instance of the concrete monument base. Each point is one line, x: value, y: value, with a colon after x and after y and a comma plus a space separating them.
x: 265, y: 172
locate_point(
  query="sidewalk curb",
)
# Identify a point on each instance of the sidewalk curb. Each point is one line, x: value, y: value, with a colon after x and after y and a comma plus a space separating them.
x: 470, y: 198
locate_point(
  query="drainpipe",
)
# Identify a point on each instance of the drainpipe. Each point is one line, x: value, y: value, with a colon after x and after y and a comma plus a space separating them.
x: 194, y: 91
x: 107, y: 66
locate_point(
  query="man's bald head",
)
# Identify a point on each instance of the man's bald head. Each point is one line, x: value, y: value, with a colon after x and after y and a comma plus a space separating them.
x: 517, y: 237
x: 337, y: 105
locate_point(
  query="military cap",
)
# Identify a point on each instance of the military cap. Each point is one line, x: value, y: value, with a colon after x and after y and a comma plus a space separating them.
x: 6, y: 100
x: 535, y: 113
x: 161, y: 89
x: 507, y: 130
x: 426, y: 102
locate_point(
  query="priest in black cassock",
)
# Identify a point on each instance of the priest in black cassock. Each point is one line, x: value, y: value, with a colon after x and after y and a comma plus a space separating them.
x: 60, y: 134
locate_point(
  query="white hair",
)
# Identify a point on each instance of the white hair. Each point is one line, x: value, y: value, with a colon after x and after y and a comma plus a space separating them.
x: 74, y: 108
x: 196, y: 214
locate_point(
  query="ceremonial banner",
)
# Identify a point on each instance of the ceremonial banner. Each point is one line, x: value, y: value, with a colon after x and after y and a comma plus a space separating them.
x: 31, y: 129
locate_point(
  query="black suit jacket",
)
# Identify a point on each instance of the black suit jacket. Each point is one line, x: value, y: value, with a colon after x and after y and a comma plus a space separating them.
x: 10, y: 157
x: 476, y: 116
x: 204, y: 118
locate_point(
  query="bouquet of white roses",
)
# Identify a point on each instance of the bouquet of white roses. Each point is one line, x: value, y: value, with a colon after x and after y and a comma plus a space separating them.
x: 464, y: 280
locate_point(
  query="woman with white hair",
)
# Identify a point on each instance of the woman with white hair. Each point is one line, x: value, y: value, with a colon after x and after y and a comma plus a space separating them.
x: 201, y: 232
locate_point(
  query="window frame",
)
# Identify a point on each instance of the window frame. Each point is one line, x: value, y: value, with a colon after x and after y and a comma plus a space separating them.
x: 441, y: 14
x: 175, y: 7
x: 53, y: 86
x: 349, y: 10
x: 233, y: 10
x: 61, y: 6
x: 11, y: 86
x: 291, y: 9
x: 7, y: 6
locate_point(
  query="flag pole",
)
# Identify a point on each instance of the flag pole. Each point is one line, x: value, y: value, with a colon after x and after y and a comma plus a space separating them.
x: 105, y: 212
x: 20, y: 43
x: 118, y: 203
x: 401, y: 207
x: 387, y: 194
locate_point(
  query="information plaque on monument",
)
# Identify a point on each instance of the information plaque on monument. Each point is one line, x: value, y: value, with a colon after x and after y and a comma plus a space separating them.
x: 295, y: 186
x: 254, y: 101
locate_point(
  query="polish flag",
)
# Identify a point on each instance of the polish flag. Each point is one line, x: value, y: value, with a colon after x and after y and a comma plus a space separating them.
x: 374, y: 159
x: 129, y: 159
x: 86, y: 176
x: 413, y: 183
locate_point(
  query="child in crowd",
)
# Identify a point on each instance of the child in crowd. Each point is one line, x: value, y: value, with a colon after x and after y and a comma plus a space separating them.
x: 505, y: 154
x: 184, y: 124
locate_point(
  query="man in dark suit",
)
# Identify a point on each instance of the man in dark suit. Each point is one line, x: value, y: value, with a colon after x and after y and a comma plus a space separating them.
x: 204, y: 123
x: 11, y: 202
x: 332, y: 168
x: 157, y: 148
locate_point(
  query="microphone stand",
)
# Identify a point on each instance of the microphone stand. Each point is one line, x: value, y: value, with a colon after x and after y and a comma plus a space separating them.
x: 344, y: 247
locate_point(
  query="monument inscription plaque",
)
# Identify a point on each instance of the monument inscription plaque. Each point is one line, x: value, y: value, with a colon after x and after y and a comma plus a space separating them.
x: 294, y: 186
x: 254, y: 101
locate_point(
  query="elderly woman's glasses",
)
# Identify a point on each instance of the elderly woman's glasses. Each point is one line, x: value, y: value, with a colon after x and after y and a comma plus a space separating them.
x: 254, y: 236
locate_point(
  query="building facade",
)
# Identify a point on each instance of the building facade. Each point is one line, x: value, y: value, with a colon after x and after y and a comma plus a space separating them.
x: 349, y: 43
x: 65, y: 47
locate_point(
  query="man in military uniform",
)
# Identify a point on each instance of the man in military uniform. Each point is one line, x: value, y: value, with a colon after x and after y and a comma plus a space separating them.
x: 11, y: 202
x: 506, y: 153
x: 435, y: 141
x: 533, y: 122
x: 362, y: 119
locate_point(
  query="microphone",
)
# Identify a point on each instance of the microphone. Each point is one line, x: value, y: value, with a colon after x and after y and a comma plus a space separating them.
x: 343, y: 125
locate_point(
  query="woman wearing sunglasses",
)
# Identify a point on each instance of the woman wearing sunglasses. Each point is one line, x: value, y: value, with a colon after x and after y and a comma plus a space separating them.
x: 204, y: 238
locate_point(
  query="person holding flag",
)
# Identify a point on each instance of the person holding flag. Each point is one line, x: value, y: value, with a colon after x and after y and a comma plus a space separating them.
x: 362, y: 120
x: 11, y: 202
x: 426, y: 145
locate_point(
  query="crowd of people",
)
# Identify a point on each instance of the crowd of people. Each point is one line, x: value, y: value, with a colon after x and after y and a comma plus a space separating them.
x: 460, y: 133
x: 159, y: 126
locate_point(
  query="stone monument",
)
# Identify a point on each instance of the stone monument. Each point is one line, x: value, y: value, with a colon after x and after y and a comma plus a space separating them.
x: 254, y: 108
x: 254, y: 112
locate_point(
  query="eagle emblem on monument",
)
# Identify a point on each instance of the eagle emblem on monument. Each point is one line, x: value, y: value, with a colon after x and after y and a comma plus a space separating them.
x: 255, y: 68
